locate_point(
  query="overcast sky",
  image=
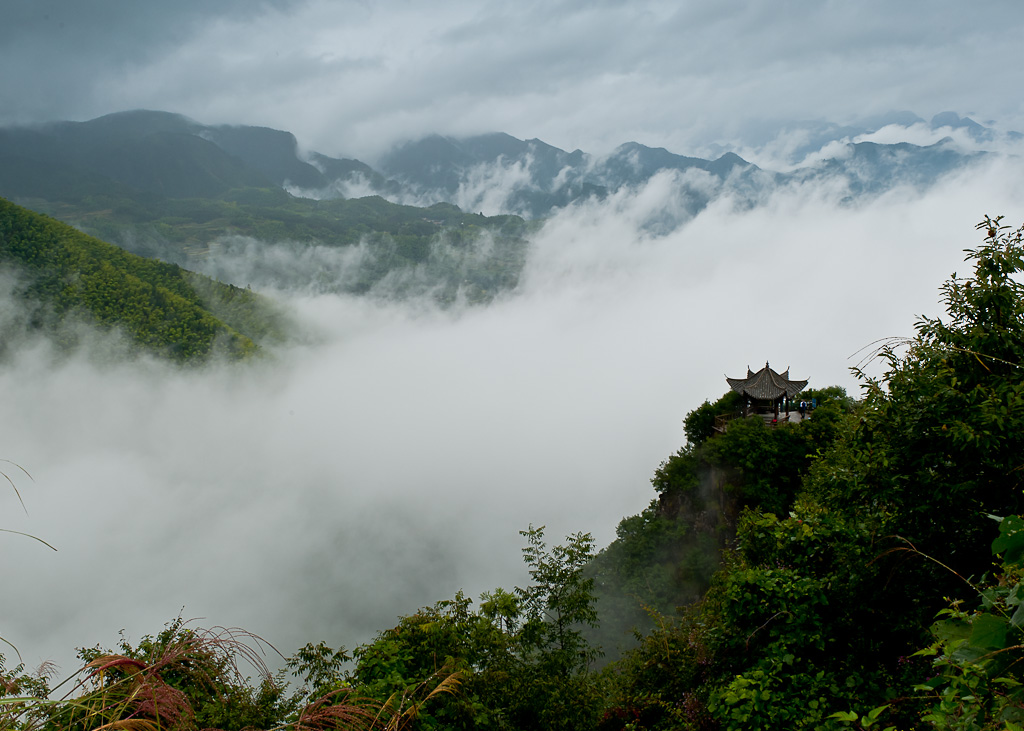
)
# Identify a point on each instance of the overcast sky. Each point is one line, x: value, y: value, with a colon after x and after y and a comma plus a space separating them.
x: 352, y: 77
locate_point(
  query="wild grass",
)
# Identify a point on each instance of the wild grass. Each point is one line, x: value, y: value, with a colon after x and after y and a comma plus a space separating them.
x: 21, y: 501
x: 17, y: 493
x: 186, y: 676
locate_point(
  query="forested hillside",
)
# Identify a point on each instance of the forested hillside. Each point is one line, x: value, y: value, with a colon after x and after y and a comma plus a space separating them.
x: 163, y: 186
x: 453, y: 251
x: 63, y: 277
x: 842, y: 539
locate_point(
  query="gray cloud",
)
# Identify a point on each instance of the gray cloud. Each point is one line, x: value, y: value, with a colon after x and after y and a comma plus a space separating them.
x: 353, y: 78
x: 64, y: 60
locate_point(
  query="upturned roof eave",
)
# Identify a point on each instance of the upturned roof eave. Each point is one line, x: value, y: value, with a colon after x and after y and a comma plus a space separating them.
x: 766, y: 384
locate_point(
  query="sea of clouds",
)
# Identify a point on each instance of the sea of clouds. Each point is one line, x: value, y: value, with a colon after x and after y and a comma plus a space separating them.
x: 391, y: 456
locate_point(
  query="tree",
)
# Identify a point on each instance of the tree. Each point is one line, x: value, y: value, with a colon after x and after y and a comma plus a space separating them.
x: 699, y: 424
x: 943, y: 435
x: 522, y: 660
x: 550, y: 686
x: 559, y: 601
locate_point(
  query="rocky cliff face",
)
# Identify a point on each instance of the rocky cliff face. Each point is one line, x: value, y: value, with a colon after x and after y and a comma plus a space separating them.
x: 708, y: 513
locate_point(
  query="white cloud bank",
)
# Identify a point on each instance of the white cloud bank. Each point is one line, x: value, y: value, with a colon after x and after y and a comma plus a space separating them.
x: 324, y: 491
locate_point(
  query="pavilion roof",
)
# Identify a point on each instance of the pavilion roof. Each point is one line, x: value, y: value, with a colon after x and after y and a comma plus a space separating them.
x: 766, y: 384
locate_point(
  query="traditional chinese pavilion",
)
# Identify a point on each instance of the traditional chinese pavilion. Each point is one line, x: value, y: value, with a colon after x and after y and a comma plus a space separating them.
x: 766, y: 391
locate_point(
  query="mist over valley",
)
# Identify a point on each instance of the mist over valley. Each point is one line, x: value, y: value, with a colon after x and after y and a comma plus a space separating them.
x: 387, y: 453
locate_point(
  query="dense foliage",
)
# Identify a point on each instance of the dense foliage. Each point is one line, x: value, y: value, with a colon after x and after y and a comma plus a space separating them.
x: 481, y: 255
x: 816, y: 618
x: 522, y: 658
x: 665, y: 557
x: 63, y: 275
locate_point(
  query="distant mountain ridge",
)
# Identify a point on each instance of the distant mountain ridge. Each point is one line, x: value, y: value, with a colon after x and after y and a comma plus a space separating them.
x: 541, y: 178
x: 811, y: 136
x: 153, y: 152
x: 147, y: 153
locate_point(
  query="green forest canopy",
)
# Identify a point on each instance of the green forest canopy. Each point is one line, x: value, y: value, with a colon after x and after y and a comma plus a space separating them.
x: 66, y: 276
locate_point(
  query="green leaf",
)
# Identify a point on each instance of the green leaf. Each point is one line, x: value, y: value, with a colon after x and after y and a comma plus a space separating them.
x: 844, y: 716
x: 876, y: 712
x: 988, y: 631
x: 951, y: 630
x: 1017, y: 620
x: 1010, y: 542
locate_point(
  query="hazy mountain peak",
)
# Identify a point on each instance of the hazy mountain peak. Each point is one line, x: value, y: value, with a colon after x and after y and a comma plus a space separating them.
x: 878, y: 121
x: 141, y: 122
x: 493, y: 145
x: 954, y: 120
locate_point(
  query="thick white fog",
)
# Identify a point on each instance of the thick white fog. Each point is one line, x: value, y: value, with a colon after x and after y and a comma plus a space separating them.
x: 392, y: 459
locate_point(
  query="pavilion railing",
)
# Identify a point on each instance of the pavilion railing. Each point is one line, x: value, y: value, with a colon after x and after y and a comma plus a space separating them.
x: 722, y: 420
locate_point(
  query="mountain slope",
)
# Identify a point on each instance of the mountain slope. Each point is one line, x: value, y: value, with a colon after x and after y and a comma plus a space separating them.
x: 144, y: 152
x: 161, y: 185
x: 271, y: 152
x: 65, y: 276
